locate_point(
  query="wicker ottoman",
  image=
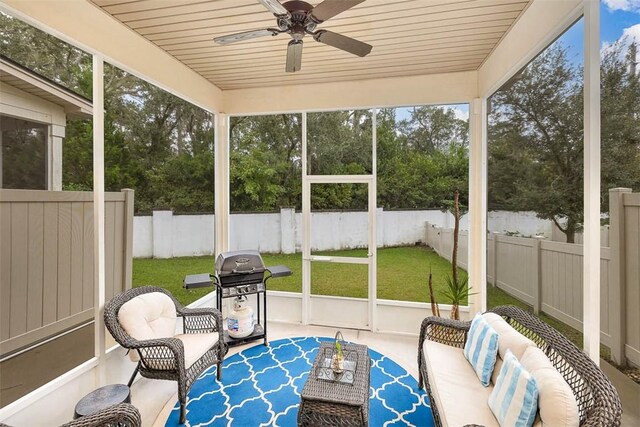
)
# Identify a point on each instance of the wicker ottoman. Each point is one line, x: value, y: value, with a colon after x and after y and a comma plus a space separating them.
x: 326, y: 403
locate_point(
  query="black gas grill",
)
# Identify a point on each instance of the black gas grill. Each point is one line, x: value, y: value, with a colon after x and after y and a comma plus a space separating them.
x: 243, y: 273
x: 240, y: 268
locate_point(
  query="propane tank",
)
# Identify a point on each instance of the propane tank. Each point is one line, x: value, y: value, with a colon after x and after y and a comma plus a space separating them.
x: 240, y: 322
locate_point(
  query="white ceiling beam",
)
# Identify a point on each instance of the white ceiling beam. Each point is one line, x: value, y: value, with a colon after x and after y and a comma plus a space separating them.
x: 447, y: 88
x: 540, y: 24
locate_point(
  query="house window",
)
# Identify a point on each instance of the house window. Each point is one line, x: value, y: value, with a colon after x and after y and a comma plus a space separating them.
x: 24, y: 154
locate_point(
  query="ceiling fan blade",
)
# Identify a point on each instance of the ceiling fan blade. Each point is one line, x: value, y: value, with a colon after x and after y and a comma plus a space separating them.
x: 275, y: 7
x: 330, y: 8
x: 247, y: 35
x: 343, y: 42
x: 294, y: 56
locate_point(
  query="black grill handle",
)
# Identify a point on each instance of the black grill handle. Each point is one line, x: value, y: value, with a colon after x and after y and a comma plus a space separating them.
x: 238, y: 271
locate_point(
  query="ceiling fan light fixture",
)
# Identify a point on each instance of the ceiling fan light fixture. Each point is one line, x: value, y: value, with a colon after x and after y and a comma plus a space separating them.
x: 294, y: 56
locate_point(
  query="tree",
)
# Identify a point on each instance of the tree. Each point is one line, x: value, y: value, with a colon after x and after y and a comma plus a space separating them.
x: 543, y: 111
x: 266, y: 164
x: 46, y: 55
x: 536, y: 135
x: 422, y: 164
x: 620, y: 124
x: 432, y: 128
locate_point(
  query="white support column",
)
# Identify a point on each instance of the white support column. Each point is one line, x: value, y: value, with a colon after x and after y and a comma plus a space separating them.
x: 477, y: 265
x: 222, y: 210
x: 98, y: 217
x: 591, y: 260
x: 306, y: 229
x: 373, y: 226
x: 55, y: 162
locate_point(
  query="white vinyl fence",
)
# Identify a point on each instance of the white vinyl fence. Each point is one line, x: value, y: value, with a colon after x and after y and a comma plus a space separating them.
x: 166, y: 235
x: 548, y: 275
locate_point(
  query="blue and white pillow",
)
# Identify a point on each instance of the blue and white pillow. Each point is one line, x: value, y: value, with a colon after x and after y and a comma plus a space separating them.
x: 514, y: 399
x: 481, y: 348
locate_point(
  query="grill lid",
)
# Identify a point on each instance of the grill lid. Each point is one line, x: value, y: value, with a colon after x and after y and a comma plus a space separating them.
x: 239, y: 262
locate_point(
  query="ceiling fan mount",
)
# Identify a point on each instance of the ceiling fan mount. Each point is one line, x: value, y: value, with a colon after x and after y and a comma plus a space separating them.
x: 298, y: 22
x: 299, y: 18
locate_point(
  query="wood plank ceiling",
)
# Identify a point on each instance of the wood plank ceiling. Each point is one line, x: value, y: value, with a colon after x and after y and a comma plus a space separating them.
x: 409, y: 37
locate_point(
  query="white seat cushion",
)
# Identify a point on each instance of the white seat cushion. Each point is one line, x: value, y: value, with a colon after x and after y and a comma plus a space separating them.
x: 196, y: 345
x: 459, y: 396
x: 148, y: 316
x: 556, y: 402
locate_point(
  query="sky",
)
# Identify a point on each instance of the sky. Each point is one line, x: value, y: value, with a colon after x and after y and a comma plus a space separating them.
x: 618, y: 18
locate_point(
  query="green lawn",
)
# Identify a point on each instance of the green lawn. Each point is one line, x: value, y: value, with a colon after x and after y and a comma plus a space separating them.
x: 402, y: 274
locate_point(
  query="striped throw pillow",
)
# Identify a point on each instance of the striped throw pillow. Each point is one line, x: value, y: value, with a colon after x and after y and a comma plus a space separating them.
x: 514, y: 399
x: 481, y: 348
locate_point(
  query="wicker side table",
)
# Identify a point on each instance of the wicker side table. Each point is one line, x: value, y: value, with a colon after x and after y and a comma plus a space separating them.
x: 326, y: 403
x: 102, y: 398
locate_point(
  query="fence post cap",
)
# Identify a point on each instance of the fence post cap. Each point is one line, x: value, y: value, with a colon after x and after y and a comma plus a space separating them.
x: 620, y: 190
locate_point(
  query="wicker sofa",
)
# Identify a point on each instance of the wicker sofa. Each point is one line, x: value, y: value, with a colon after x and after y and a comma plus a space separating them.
x: 464, y: 401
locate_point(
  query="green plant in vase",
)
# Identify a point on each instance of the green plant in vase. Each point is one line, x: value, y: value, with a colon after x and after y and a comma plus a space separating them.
x: 337, y: 364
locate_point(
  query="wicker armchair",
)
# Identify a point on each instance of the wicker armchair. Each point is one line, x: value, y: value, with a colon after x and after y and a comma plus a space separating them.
x: 598, y: 401
x: 121, y: 415
x: 164, y: 356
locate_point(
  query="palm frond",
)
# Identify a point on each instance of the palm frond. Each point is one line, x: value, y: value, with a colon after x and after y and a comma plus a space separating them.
x: 457, y: 291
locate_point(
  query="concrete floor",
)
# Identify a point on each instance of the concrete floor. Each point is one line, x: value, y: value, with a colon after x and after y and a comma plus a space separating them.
x: 629, y: 392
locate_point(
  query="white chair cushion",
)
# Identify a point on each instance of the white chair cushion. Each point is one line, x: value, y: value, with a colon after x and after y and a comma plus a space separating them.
x: 556, y: 402
x: 148, y: 316
x: 458, y: 395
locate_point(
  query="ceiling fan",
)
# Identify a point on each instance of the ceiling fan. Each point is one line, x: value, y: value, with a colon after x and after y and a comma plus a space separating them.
x: 299, y: 18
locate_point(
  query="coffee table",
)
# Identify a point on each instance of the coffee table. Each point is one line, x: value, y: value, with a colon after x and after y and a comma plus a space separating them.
x: 333, y: 403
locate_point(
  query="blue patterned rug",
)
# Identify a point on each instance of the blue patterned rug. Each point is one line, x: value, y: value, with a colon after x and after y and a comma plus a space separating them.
x: 261, y: 387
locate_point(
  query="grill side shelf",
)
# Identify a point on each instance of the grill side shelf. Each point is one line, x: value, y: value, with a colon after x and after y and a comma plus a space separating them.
x: 279, y: 271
